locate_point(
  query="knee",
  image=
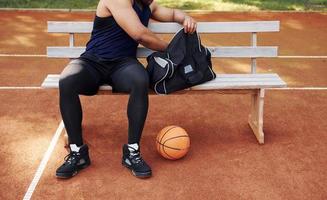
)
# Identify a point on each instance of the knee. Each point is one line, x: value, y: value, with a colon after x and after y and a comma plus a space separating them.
x: 66, y: 85
x: 141, y: 82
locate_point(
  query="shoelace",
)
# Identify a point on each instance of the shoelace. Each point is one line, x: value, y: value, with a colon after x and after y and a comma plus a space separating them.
x: 137, y: 157
x: 71, y: 157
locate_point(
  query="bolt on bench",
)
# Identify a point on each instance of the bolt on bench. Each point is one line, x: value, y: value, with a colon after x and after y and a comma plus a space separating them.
x: 253, y: 83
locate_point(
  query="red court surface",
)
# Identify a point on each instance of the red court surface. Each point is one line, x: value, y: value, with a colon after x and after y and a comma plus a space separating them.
x: 225, y: 161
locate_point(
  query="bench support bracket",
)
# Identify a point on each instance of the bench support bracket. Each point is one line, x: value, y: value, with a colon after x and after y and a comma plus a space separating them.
x: 256, y: 114
x: 66, y: 140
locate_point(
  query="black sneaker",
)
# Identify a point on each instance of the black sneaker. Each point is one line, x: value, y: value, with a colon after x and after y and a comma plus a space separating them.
x: 74, y: 162
x: 133, y: 161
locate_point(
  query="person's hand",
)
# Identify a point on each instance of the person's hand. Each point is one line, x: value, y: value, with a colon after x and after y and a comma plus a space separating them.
x: 189, y: 24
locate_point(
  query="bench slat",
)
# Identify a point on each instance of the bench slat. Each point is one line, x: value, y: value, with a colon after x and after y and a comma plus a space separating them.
x: 203, y: 27
x: 223, y: 81
x: 242, y: 81
x: 220, y: 76
x: 219, y: 52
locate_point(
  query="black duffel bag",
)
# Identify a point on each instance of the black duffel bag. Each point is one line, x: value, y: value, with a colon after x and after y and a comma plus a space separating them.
x: 184, y: 64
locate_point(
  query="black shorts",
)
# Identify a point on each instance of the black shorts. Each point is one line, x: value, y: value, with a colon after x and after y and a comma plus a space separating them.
x: 104, y: 69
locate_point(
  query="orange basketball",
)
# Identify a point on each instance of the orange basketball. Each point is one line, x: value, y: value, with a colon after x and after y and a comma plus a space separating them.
x: 173, y: 142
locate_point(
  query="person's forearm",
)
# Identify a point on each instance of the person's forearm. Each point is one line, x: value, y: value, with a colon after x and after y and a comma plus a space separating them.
x: 178, y: 16
x: 182, y: 18
x: 151, y: 41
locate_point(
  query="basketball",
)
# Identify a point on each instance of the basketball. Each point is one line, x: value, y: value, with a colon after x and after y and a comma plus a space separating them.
x: 172, y: 142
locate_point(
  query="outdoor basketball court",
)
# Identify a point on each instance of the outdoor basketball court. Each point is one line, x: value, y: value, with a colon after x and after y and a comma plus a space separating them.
x: 225, y: 161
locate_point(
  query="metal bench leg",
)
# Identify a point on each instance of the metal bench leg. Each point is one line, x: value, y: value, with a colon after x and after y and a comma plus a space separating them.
x: 66, y: 142
x: 256, y: 114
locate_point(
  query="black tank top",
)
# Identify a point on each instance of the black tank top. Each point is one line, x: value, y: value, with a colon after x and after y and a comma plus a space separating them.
x: 110, y: 41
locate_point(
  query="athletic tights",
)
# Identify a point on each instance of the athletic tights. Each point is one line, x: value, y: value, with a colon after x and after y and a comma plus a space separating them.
x: 84, y: 76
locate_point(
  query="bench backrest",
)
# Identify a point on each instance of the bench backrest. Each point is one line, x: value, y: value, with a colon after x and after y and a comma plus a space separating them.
x: 252, y: 51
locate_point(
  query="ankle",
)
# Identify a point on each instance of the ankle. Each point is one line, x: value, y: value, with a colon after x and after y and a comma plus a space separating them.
x: 132, y: 147
x: 74, y: 147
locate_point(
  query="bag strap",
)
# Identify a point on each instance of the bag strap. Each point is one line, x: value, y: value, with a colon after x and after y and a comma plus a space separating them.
x: 195, y: 76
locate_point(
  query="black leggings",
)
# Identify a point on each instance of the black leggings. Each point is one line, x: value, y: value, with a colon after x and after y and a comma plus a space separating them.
x: 126, y: 75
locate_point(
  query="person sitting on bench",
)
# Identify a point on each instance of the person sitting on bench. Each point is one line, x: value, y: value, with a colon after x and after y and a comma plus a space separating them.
x: 110, y: 58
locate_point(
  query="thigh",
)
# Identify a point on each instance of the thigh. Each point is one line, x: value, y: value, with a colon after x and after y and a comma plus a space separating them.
x: 130, y: 74
x: 79, y: 76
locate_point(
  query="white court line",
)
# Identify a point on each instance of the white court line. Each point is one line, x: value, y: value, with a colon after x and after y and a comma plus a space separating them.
x: 20, y: 88
x: 22, y: 55
x: 43, y: 163
x: 299, y: 88
x: 296, y: 57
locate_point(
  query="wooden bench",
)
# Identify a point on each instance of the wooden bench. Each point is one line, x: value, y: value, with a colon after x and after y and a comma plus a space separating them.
x: 252, y: 83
